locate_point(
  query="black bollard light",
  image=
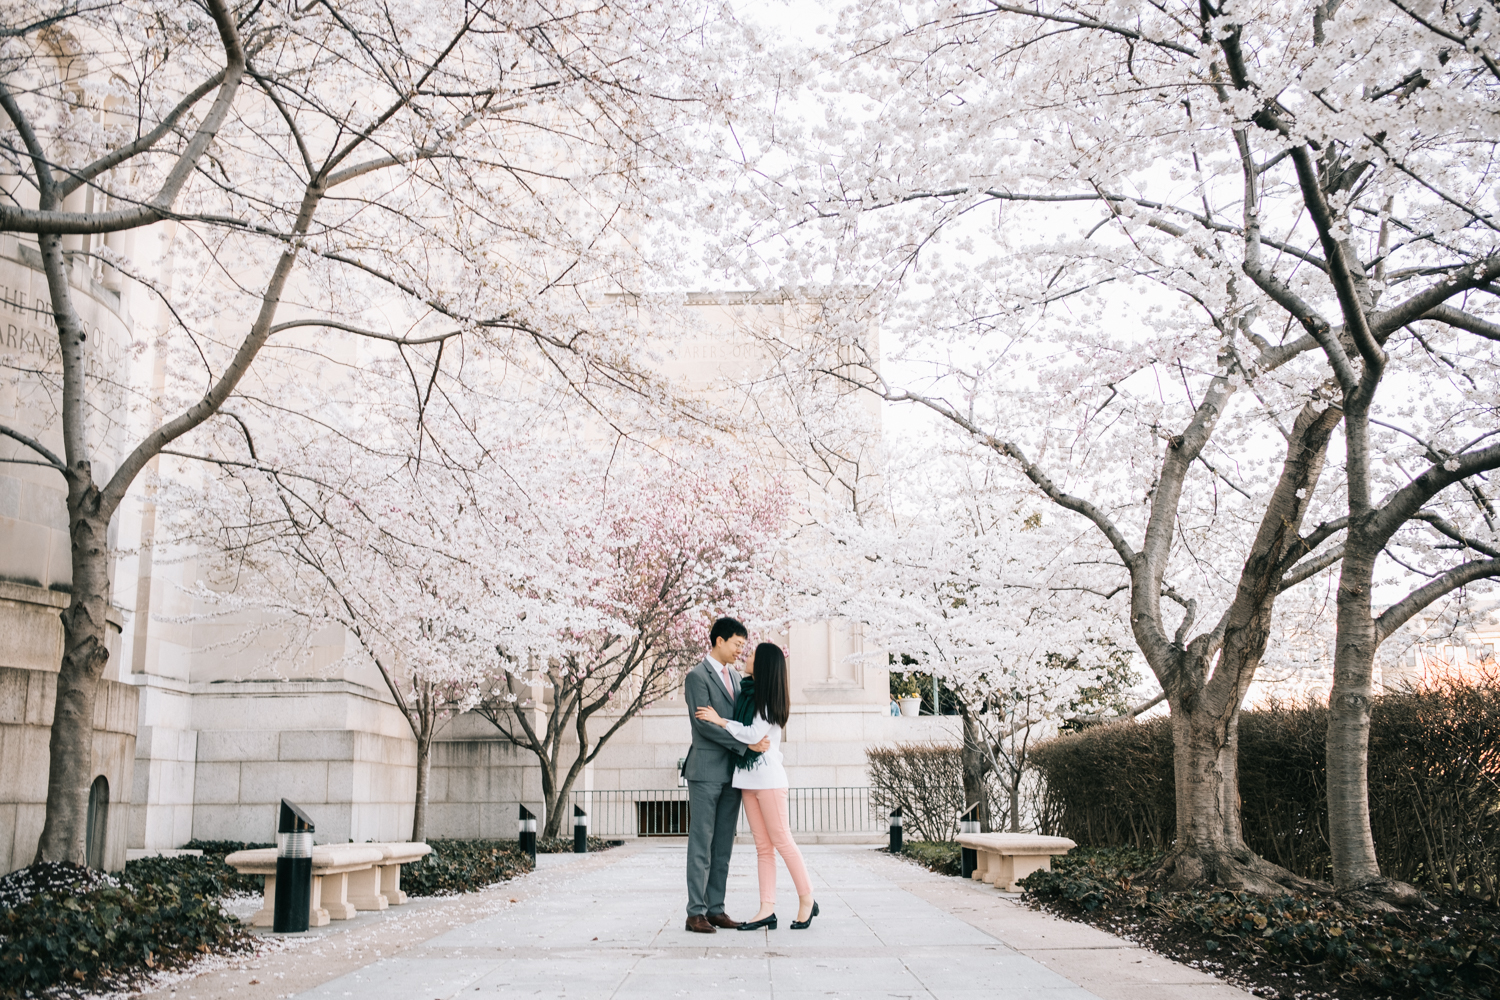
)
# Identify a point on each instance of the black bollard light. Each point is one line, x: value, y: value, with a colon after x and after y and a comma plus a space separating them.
x: 526, y: 827
x: 896, y: 830
x: 580, y: 831
x: 294, y: 836
x: 969, y: 823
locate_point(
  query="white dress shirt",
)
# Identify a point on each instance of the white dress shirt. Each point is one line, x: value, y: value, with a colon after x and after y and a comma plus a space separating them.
x: 767, y: 771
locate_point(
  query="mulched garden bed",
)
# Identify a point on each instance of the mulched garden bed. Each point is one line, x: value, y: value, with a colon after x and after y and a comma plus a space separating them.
x: 564, y: 845
x: 1286, y: 947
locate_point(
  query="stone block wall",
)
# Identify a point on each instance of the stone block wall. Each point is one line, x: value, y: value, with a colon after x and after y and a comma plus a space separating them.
x: 477, y: 783
x: 27, y: 698
x: 355, y: 785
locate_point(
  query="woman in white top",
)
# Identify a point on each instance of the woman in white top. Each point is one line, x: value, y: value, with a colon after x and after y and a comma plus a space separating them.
x: 762, y: 781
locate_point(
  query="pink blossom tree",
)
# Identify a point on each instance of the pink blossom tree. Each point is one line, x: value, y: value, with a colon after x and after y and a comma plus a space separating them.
x: 656, y: 554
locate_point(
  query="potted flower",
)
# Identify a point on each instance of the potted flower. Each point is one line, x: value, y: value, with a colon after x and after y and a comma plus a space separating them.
x: 907, y: 694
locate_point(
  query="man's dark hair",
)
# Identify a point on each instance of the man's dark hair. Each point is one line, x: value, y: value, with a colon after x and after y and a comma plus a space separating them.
x: 725, y: 628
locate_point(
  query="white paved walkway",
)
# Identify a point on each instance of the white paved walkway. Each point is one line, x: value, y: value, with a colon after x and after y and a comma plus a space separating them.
x: 610, y: 927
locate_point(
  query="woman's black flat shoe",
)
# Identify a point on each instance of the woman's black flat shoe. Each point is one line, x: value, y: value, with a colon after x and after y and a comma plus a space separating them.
x: 755, y: 925
x: 802, y: 925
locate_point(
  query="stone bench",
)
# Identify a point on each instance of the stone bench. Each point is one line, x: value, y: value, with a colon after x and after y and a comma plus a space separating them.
x: 1006, y: 858
x: 346, y: 878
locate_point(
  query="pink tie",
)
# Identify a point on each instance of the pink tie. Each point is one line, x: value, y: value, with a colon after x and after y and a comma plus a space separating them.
x: 727, y: 685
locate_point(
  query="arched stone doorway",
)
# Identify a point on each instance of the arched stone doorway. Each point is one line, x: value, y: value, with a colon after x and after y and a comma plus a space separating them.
x: 98, y: 822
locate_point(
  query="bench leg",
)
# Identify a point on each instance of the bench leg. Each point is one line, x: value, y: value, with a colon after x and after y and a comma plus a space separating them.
x: 266, y: 915
x: 390, y: 885
x: 999, y: 873
x: 1023, y: 865
x: 316, y: 915
x: 364, y: 889
x: 336, y: 896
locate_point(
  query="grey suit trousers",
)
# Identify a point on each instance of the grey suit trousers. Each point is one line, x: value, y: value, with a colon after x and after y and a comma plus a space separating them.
x: 714, y: 812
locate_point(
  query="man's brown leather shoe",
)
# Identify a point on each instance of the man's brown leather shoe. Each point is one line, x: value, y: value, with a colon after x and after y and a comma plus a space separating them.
x: 722, y: 920
x: 699, y: 924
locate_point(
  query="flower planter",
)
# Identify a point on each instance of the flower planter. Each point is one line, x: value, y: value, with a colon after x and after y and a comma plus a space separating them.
x: 910, y: 706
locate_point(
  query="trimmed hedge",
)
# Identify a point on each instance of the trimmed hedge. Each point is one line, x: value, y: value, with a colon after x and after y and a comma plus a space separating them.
x: 456, y: 866
x: 1434, y: 786
x: 161, y: 916
x: 1315, y: 944
x: 925, y: 780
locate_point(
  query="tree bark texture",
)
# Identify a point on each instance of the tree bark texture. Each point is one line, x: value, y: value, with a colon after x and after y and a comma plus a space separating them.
x: 1350, y: 840
x: 85, y: 654
x: 85, y: 627
x: 424, y: 772
x: 976, y: 764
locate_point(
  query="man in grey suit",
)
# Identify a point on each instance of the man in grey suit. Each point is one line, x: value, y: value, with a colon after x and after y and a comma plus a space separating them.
x: 713, y: 803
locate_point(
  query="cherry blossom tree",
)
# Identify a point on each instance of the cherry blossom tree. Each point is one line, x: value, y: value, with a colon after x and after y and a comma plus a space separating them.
x: 428, y: 565
x: 450, y: 179
x: 430, y: 581
x: 658, y: 554
x: 1104, y: 243
x: 962, y: 575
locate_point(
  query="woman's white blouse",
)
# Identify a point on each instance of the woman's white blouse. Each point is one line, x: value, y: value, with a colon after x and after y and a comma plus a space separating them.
x: 767, y: 772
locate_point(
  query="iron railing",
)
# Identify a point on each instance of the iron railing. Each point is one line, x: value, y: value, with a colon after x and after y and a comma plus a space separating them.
x: 663, y: 812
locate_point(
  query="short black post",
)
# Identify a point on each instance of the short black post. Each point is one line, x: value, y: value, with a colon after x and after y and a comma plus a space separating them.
x: 527, y: 830
x: 896, y: 830
x: 969, y: 823
x: 294, y: 844
x: 580, y: 831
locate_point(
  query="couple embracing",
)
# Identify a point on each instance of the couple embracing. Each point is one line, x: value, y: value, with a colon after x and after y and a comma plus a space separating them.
x: 736, y: 757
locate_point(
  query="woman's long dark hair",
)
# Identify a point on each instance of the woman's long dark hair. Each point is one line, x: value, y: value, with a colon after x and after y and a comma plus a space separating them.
x: 772, y: 692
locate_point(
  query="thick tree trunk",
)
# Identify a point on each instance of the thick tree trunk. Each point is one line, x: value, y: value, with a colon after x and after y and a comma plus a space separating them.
x: 85, y: 654
x: 1209, y: 846
x: 976, y: 763
x: 556, y: 796
x: 424, y: 771
x: 1356, y: 872
x: 1349, y: 837
x: 549, y: 797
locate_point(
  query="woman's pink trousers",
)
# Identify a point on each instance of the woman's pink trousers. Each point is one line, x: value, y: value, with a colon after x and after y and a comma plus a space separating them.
x: 765, y: 808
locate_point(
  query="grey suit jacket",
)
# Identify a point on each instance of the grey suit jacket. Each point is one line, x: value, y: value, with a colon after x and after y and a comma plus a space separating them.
x: 711, y: 757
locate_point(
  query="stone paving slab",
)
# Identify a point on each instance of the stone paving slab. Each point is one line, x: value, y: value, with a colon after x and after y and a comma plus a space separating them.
x: 610, y: 926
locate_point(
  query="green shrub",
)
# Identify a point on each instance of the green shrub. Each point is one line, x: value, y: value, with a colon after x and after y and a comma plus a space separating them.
x: 222, y: 847
x: 463, y: 866
x: 1434, y: 779
x: 942, y: 856
x: 207, y: 876
x: 1397, y: 954
x: 217, y: 850
x: 104, y: 935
